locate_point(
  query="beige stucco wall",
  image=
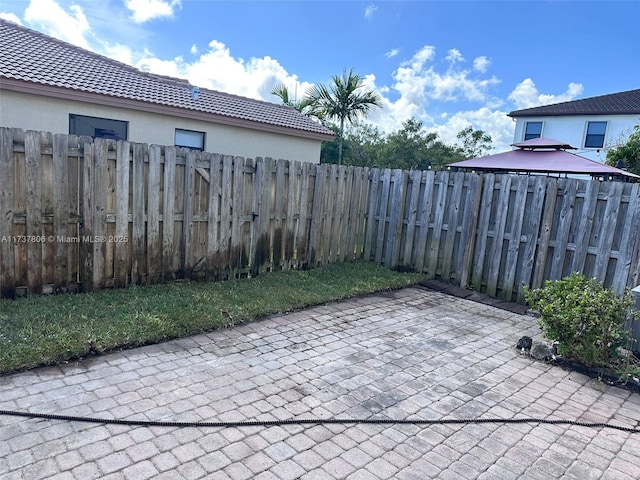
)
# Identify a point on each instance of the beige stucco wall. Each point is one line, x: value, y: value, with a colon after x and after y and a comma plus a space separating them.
x: 34, y: 112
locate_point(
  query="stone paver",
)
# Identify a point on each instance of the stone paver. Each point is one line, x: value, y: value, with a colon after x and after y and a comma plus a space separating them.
x: 412, y: 353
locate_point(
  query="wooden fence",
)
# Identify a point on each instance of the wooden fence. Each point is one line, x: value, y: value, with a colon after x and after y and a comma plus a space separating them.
x: 78, y: 214
x: 498, y: 233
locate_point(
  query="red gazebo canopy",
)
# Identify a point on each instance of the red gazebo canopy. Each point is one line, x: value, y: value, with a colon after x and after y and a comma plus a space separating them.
x: 541, y: 155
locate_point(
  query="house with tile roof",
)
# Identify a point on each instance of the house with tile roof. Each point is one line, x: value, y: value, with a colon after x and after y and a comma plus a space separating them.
x: 591, y: 124
x: 50, y: 85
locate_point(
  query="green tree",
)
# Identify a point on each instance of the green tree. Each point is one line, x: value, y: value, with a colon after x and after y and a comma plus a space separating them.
x: 362, y: 145
x: 343, y: 101
x: 412, y: 147
x: 303, y: 105
x: 475, y: 143
x: 628, y: 153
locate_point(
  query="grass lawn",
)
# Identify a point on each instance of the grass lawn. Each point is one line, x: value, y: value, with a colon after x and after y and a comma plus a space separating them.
x: 40, y: 330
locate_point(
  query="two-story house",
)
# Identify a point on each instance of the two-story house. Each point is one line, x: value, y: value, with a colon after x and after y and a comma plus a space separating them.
x: 590, y: 124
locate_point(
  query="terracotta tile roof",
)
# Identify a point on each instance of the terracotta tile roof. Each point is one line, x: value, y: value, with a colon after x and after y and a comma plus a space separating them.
x: 33, y: 57
x: 621, y: 103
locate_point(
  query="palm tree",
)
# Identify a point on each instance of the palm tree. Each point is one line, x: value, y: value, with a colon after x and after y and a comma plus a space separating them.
x: 282, y: 92
x: 342, y: 101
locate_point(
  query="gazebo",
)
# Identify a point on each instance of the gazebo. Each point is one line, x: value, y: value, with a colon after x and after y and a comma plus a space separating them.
x: 543, y: 156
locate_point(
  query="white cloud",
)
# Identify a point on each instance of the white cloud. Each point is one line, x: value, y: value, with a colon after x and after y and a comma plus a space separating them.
x: 419, y: 83
x: 71, y: 27
x: 392, y: 53
x: 119, y: 52
x: 145, y: 10
x: 194, y: 49
x: 454, y: 56
x: 526, y: 95
x: 494, y: 122
x: 481, y: 64
x: 370, y: 11
x: 12, y: 17
x: 217, y: 69
x: 418, y: 87
x: 425, y: 54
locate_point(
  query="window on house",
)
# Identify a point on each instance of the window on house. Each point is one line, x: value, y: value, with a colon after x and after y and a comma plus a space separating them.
x: 532, y: 130
x: 98, y: 127
x: 189, y: 139
x: 595, y: 134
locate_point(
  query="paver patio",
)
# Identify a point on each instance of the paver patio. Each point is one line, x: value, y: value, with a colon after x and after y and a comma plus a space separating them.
x: 411, y: 353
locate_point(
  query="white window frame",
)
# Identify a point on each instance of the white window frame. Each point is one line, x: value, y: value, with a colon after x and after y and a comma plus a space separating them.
x: 587, y: 134
x: 190, y: 139
x: 524, y: 132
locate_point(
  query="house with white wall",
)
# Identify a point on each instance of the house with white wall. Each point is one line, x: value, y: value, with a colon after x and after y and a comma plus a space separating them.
x: 50, y: 85
x: 592, y: 125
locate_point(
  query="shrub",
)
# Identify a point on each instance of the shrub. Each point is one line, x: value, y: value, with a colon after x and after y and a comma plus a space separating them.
x: 585, y: 319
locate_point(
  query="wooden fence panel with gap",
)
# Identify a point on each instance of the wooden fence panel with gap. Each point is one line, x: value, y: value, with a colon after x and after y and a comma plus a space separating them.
x: 84, y: 214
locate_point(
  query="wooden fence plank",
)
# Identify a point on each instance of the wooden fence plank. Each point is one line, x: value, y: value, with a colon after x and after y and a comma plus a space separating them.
x: 121, y: 257
x: 279, y: 220
x: 213, y: 244
x: 545, y: 233
x: 381, y: 234
x: 521, y: 184
x: 255, y: 209
x: 138, y: 266
x: 303, y: 228
x: 373, y: 183
x: 630, y: 236
x: 531, y: 228
x: 318, y: 214
x: 32, y: 142
x: 101, y: 150
x: 154, y: 247
x: 608, y: 230
x: 397, y: 211
x: 330, y: 225
x: 633, y: 278
x: 238, y: 253
x: 345, y: 193
x: 495, y: 254
x: 568, y: 187
x: 469, y: 227
x: 292, y: 214
x: 187, y: 209
x: 226, y: 205
x: 583, y: 232
x: 61, y: 213
x: 328, y: 200
x: 87, y: 213
x: 168, y: 208
x: 486, y: 206
x: 73, y: 249
x: 362, y: 185
x: 353, y: 227
x: 454, y: 205
x: 262, y: 251
x: 7, y: 261
x: 424, y: 215
x: 412, y: 216
x: 18, y: 214
x: 433, y: 250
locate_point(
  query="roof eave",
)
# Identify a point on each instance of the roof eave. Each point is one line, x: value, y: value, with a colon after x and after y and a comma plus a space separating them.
x: 23, y: 86
x: 517, y: 114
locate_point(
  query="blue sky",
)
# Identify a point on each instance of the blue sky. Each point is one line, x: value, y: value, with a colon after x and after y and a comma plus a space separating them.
x: 447, y: 63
